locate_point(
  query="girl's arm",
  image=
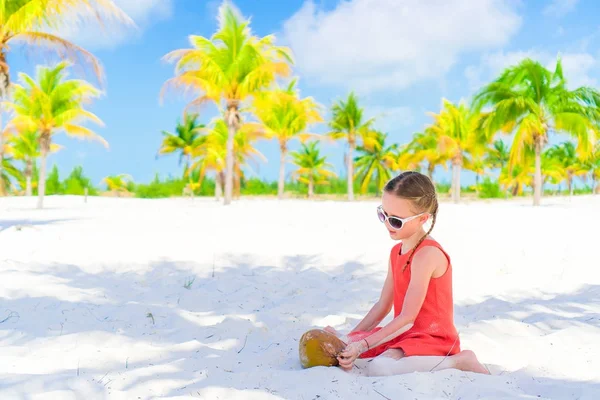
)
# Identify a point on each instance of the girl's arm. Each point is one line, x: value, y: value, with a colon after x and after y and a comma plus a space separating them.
x: 424, y: 263
x: 382, y: 307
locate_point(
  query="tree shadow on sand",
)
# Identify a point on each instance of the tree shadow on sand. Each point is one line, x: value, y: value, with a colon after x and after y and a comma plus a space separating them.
x: 27, y: 223
x: 203, y: 329
x: 233, y: 328
x: 547, y: 312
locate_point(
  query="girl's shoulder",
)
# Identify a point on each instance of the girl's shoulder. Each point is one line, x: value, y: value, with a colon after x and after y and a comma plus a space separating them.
x: 428, y: 243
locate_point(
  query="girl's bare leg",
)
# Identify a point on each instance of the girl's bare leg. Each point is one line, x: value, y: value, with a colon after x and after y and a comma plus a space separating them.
x: 343, y: 338
x: 393, y: 362
x: 332, y: 330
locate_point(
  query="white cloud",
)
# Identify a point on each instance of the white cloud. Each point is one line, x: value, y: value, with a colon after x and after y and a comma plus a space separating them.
x: 373, y: 45
x: 92, y: 35
x: 560, y: 8
x: 577, y: 66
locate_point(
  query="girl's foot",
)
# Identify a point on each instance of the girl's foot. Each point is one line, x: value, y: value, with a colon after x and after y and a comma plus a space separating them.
x: 466, y: 360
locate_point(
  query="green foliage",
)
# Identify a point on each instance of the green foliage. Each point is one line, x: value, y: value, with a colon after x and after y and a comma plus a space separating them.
x: 443, y: 187
x: 490, y: 189
x: 256, y: 187
x: 74, y: 184
x: 170, y: 187
x: 53, y: 184
x: 77, y: 182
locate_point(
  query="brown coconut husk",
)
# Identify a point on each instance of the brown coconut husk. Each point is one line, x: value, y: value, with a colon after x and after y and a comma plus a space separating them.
x: 319, y: 348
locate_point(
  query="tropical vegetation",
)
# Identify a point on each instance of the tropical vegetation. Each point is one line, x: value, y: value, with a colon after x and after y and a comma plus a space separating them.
x: 32, y: 23
x: 526, y: 132
x: 51, y: 104
x: 227, y: 69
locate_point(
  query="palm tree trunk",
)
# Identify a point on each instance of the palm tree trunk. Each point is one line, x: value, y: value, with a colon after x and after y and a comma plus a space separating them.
x: 456, y: 167
x: 218, y: 185
x: 537, y: 178
x: 430, y: 170
x: 28, y: 174
x: 350, y: 169
x: 310, y: 187
x: 570, y: 183
x: 45, y: 148
x: 237, y: 186
x: 231, y: 119
x: 282, y: 155
x: 189, y: 164
x: 477, y: 183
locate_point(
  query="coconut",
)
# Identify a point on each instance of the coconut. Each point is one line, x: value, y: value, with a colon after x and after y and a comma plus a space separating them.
x: 320, y: 348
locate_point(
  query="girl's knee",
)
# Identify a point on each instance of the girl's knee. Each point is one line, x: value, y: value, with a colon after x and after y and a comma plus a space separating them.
x: 395, y: 354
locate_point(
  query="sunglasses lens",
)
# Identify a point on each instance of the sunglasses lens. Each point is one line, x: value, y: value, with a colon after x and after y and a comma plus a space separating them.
x: 395, y: 223
x: 380, y: 215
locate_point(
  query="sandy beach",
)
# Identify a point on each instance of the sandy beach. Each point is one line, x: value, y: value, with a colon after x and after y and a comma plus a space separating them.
x: 144, y: 299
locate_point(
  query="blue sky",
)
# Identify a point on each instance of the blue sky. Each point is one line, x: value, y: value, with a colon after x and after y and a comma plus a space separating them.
x: 401, y: 57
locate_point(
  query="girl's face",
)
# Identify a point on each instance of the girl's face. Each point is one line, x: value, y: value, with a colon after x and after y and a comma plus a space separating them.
x: 394, y: 206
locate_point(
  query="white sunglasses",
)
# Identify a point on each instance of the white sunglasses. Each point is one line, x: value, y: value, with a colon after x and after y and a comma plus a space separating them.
x: 395, y: 223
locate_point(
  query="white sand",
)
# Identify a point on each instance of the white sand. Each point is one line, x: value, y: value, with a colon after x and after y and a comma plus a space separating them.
x: 79, y: 282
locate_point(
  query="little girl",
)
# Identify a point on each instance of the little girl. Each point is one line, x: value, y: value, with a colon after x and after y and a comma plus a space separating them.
x: 422, y: 336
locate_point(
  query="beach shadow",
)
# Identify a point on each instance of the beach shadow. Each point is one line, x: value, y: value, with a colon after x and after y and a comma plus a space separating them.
x: 200, y: 323
x: 547, y: 312
x: 235, y: 330
x: 28, y: 223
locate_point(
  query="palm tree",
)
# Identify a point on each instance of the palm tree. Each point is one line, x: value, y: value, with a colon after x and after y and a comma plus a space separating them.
x: 228, y: 68
x: 117, y: 184
x: 312, y: 168
x: 8, y: 171
x: 5, y: 149
x: 188, y: 135
x: 456, y: 129
x: 28, y: 22
x: 515, y: 179
x: 592, y: 166
x: 477, y: 162
x: 533, y: 102
x: 26, y: 148
x: 51, y: 105
x: 497, y: 155
x: 285, y: 116
x: 348, y: 123
x: 376, y: 162
x: 522, y: 175
x: 566, y: 155
x: 211, y: 153
x: 423, y: 148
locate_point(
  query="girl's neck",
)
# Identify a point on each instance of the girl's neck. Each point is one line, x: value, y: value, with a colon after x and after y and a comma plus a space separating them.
x: 410, y: 242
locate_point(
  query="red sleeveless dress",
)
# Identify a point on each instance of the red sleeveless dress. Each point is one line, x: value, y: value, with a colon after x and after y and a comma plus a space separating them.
x: 433, y: 332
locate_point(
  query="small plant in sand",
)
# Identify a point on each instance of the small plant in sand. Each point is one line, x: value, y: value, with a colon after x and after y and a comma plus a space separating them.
x: 189, y: 282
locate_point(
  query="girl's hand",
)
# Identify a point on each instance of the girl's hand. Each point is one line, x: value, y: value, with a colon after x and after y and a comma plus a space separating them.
x: 350, y: 354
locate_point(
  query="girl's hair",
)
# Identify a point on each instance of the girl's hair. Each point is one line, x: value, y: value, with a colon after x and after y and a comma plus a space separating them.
x: 420, y: 191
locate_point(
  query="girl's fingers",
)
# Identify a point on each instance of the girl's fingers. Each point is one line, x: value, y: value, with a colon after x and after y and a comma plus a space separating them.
x: 345, y: 366
x: 346, y: 363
